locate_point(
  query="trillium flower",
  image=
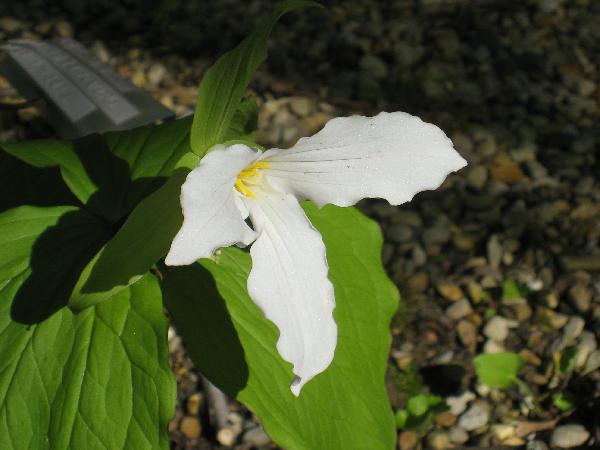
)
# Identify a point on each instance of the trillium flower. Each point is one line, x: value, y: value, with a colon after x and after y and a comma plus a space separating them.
x: 391, y: 156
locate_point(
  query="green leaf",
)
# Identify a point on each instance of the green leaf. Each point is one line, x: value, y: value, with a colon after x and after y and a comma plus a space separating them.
x: 234, y: 345
x: 142, y: 240
x: 48, y: 248
x: 562, y: 401
x: 420, y: 404
x: 568, y: 358
x: 511, y: 292
x: 98, y: 380
x: 224, y: 84
x: 23, y: 184
x: 111, y: 173
x: 244, y: 122
x: 498, y: 370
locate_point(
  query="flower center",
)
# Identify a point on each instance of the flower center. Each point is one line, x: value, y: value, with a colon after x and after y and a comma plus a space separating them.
x: 250, y: 176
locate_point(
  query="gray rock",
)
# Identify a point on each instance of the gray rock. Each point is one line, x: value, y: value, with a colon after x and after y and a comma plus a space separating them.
x: 301, y: 106
x: 475, y: 417
x: 494, y: 251
x: 536, y: 445
x: 581, y: 297
x: 438, y: 234
x: 10, y: 25
x: 256, y: 436
x: 459, y: 309
x: 400, y: 233
x: 458, y: 403
x: 586, y: 345
x: 410, y: 218
x: 438, y: 440
x: 593, y: 362
x: 477, y: 176
x: 498, y: 328
x: 573, y: 329
x: 458, y: 436
x: 568, y: 436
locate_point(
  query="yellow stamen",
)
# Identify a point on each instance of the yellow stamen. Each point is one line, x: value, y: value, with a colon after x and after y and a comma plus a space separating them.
x: 250, y: 176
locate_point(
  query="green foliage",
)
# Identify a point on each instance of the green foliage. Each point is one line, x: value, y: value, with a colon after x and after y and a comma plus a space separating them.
x: 97, y: 380
x: 234, y: 345
x: 512, y: 292
x: 568, y: 358
x: 420, y: 412
x: 223, y: 85
x: 562, y: 401
x: 498, y: 370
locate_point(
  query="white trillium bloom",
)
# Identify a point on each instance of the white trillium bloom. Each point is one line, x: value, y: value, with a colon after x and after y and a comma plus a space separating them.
x: 391, y: 156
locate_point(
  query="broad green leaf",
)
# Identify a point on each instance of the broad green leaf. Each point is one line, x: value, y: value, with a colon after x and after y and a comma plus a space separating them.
x: 23, y: 184
x: 234, y: 345
x: 244, y: 122
x: 142, y: 240
x: 223, y: 86
x: 420, y: 404
x: 97, y: 380
x: 498, y: 370
x: 111, y: 173
x: 48, y: 248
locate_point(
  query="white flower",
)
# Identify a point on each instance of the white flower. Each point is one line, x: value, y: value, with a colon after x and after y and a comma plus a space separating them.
x: 391, y: 156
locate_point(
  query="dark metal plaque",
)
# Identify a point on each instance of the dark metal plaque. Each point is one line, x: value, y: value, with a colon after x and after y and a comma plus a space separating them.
x: 82, y: 95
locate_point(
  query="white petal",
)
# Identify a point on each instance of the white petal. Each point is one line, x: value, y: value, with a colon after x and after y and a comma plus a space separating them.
x: 392, y: 156
x: 289, y: 283
x: 213, y: 216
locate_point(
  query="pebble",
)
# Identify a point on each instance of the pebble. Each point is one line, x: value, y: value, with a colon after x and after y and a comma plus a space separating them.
x: 475, y: 417
x: 586, y: 345
x: 503, y: 431
x: 10, y: 25
x: 194, y: 403
x: 458, y: 436
x: 190, y: 427
x: 494, y: 251
x: 257, y: 437
x: 417, y: 283
x: 407, y: 440
x: 492, y: 346
x: 400, y: 233
x: 458, y: 404
x: 592, y: 363
x: 536, y: 445
x: 498, y: 328
x: 506, y: 169
x: 467, y: 333
x: 446, y: 419
x: 438, y: 440
x: 477, y: 177
x: 459, y: 309
x: 438, y: 234
x: 450, y: 291
x: 63, y: 29
x: 406, y: 217
x: 301, y: 106
x: 581, y: 297
x: 156, y: 74
x: 573, y: 329
x: 569, y: 436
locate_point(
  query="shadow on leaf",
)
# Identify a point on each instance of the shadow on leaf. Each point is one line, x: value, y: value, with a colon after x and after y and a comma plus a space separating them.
x: 202, y: 319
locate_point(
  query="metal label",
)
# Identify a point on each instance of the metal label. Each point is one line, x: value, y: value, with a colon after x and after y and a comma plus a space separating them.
x: 79, y: 51
x: 63, y: 93
x: 111, y: 102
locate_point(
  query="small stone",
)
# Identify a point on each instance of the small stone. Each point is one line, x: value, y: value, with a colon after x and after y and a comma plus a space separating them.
x: 586, y: 87
x: 514, y: 441
x: 587, y: 344
x: 492, y: 346
x: 477, y: 177
x: 530, y: 358
x: 438, y: 234
x: 446, y: 419
x: 190, y: 427
x: 568, y: 436
x: 63, y: 29
x: 506, y: 169
x: 315, y: 122
x: 257, y: 437
x: 410, y: 218
x: 524, y: 153
x: 450, y: 291
x: 458, y: 403
x: 573, y: 329
x: 592, y: 363
x: 467, y: 333
x: 581, y: 297
x: 462, y: 142
x: 301, y: 106
x: 438, y: 440
x: 475, y: 417
x: 10, y: 25
x: 458, y: 436
x: 459, y: 309
x: 498, y: 328
x: 494, y: 251
x: 475, y: 291
x: 156, y: 74
x: 503, y: 431
x: 417, y: 283
x: 464, y: 242
x: 419, y: 256
x: 194, y: 403
x: 536, y: 445
x: 226, y: 437
x: 400, y: 233
x: 522, y: 311
x: 407, y: 440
